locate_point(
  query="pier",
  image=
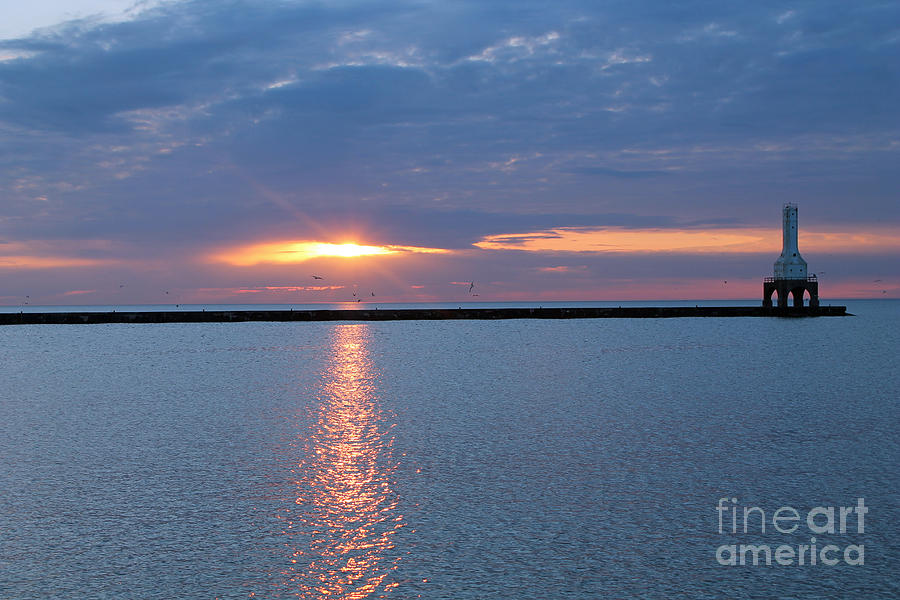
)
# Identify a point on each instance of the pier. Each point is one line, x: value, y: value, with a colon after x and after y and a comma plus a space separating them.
x: 414, y: 314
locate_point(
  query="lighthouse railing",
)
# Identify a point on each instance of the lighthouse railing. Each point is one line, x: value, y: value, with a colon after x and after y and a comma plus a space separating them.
x: 811, y: 278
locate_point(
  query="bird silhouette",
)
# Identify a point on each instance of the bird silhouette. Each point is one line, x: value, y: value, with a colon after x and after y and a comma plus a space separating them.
x: 317, y: 277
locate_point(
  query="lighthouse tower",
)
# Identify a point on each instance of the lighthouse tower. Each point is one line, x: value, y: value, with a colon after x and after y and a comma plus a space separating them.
x: 790, y: 265
x: 791, y: 277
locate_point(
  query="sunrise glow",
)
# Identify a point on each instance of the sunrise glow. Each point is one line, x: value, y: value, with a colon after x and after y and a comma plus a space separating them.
x: 301, y: 251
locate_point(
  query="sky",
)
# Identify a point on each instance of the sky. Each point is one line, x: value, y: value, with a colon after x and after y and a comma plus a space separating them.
x: 209, y: 151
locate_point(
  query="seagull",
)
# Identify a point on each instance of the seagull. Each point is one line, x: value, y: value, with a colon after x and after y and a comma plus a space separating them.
x: 471, y: 287
x: 317, y: 277
x: 373, y: 293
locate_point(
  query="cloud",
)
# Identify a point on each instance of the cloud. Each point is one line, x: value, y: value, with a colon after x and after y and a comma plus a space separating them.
x: 606, y: 171
x: 563, y: 269
x: 286, y: 288
x: 39, y: 255
x: 691, y: 241
x: 24, y: 261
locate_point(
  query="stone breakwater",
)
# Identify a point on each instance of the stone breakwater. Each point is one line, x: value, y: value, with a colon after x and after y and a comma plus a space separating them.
x: 407, y: 314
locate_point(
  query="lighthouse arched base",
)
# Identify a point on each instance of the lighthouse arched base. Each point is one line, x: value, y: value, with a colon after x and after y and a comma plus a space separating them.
x: 785, y: 289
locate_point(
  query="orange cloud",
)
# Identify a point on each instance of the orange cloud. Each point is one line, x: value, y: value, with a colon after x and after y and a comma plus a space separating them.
x: 47, y: 255
x: 44, y: 262
x: 690, y: 241
x: 287, y: 288
x: 299, y: 251
x: 562, y: 269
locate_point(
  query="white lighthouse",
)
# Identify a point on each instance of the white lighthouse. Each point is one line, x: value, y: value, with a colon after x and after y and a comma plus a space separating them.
x: 791, y: 280
x: 790, y: 265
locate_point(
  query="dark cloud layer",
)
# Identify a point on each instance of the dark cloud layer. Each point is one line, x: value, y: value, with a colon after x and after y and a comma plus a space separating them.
x: 441, y: 122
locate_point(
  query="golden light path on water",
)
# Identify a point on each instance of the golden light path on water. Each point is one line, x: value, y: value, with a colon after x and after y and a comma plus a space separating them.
x: 340, y: 533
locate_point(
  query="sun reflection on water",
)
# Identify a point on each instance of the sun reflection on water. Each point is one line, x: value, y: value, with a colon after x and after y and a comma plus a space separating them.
x: 340, y: 533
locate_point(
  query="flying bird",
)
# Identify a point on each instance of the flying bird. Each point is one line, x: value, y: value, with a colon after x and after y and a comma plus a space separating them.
x: 317, y: 277
x: 471, y: 287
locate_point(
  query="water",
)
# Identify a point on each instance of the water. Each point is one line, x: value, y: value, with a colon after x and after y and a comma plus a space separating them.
x: 445, y: 459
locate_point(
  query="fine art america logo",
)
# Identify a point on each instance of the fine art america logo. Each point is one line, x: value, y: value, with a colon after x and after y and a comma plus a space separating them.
x: 830, y: 521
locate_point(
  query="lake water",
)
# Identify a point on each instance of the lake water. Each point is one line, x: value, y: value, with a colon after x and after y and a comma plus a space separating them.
x: 450, y: 459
